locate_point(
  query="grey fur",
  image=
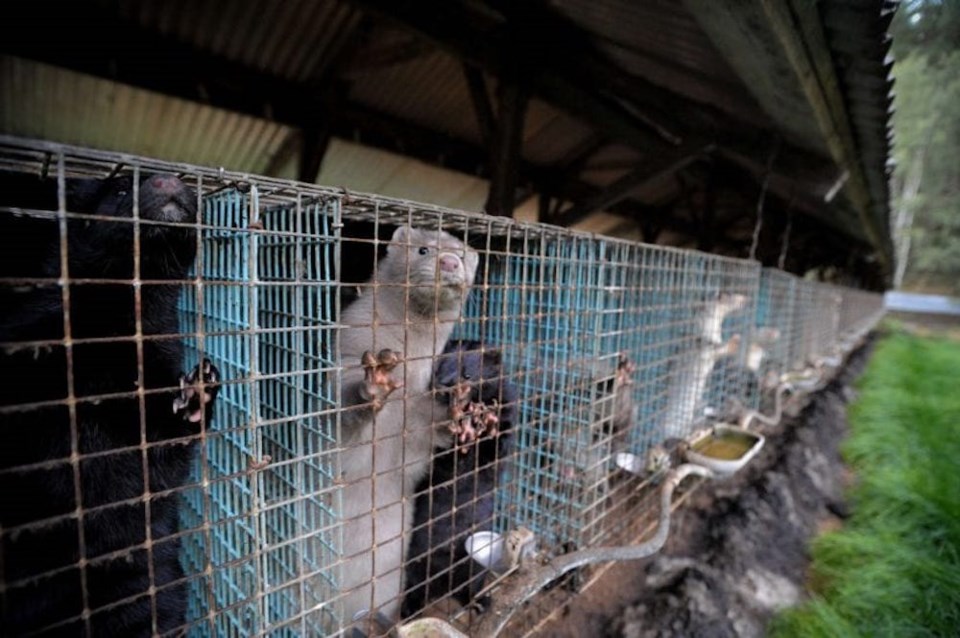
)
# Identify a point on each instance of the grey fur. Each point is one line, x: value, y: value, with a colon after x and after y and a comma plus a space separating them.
x: 410, y: 306
x: 691, y: 370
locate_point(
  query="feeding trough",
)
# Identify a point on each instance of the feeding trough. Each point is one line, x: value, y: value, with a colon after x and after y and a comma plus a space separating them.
x: 724, y: 448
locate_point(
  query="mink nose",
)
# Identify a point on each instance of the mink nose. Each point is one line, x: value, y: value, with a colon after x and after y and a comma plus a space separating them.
x: 449, y: 263
x: 167, y: 184
x: 165, y: 198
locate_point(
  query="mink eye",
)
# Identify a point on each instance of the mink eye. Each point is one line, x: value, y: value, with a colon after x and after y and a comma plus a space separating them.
x: 424, y: 250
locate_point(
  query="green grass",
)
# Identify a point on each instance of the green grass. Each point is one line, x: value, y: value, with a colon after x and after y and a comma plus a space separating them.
x: 894, y: 568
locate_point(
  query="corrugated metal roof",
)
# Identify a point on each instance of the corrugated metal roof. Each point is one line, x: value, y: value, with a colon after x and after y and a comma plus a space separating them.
x: 291, y: 39
x: 429, y: 90
x: 656, y: 40
x: 51, y: 103
x: 609, y: 164
x: 550, y: 135
x: 659, y: 41
x: 371, y: 170
x: 857, y: 33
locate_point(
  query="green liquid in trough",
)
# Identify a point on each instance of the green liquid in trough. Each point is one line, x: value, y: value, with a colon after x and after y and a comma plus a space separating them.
x: 728, y: 446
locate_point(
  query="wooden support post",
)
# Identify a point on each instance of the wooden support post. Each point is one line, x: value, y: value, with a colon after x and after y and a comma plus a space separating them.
x: 486, y: 121
x: 314, y: 141
x: 512, y: 100
x: 544, y: 206
x: 706, y: 239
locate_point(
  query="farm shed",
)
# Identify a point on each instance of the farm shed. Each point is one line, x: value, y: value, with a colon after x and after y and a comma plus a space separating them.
x: 739, y: 130
x: 669, y: 117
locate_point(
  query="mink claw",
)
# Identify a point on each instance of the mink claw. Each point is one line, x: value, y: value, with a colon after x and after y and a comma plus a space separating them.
x: 476, y: 413
x: 388, y: 358
x: 493, y: 418
x: 478, y: 419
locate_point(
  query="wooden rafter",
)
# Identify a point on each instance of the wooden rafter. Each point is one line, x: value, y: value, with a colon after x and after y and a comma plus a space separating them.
x: 651, y: 169
x: 486, y: 120
x: 570, y: 74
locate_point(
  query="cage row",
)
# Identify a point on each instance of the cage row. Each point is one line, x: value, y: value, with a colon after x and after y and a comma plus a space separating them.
x: 239, y: 406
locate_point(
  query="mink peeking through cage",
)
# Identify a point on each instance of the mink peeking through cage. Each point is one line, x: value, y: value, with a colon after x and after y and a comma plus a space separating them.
x: 456, y: 498
x: 43, y: 584
x: 405, y: 314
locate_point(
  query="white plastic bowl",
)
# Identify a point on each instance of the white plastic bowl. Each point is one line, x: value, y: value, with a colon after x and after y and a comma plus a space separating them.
x: 486, y: 548
x: 725, y: 466
x: 630, y: 463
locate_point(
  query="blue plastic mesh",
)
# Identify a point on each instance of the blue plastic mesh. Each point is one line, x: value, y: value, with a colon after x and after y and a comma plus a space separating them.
x: 563, y: 312
x: 540, y: 308
x: 266, y: 312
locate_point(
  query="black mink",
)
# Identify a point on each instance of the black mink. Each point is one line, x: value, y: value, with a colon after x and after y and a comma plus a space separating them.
x: 43, y: 584
x: 456, y: 498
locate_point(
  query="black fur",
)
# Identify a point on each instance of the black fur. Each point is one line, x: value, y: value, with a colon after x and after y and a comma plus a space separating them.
x: 39, y: 564
x: 456, y: 498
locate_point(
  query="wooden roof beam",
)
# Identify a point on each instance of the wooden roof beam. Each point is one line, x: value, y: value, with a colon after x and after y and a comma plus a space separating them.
x: 650, y: 169
x: 484, y: 40
x: 566, y: 71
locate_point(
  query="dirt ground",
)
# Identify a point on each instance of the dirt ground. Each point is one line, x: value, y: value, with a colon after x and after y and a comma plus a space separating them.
x: 738, y: 551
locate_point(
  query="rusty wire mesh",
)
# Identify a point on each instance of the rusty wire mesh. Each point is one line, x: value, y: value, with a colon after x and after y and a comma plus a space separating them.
x: 611, y: 346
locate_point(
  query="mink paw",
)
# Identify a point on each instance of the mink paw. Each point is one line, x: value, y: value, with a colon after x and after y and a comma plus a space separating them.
x: 486, y: 418
x: 459, y: 398
x: 625, y: 370
x: 378, y: 383
x: 477, y: 420
x: 197, y: 392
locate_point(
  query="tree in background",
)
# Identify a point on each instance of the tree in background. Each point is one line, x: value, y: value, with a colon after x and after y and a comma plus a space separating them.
x: 926, y: 181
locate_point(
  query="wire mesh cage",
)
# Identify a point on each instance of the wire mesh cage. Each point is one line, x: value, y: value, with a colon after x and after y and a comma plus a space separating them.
x: 253, y: 532
x: 267, y: 310
x: 231, y: 418
x: 771, y: 350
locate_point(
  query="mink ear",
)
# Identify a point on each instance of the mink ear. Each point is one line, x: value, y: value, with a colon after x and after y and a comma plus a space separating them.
x: 84, y: 195
x: 400, y: 240
x: 81, y: 193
